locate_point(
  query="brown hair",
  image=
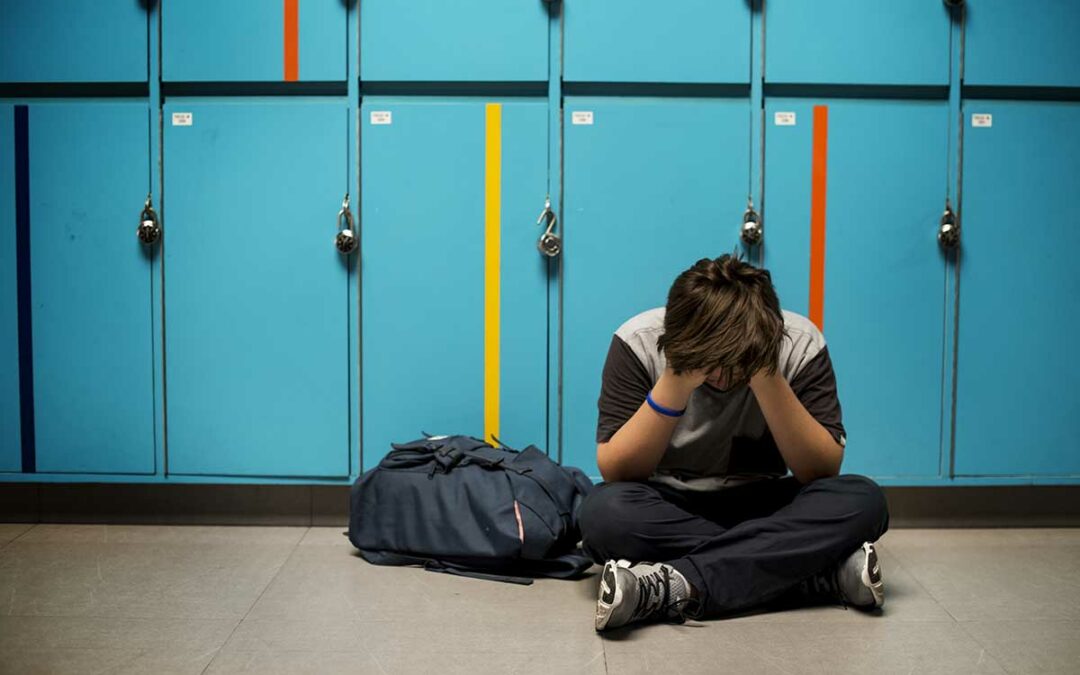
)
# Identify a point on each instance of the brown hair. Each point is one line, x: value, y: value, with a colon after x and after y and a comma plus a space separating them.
x: 723, y: 313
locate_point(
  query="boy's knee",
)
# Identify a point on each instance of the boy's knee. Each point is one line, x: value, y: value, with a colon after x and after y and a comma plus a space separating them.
x: 872, y: 507
x: 608, y: 517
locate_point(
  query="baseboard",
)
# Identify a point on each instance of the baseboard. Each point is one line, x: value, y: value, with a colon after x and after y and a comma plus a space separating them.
x: 328, y: 505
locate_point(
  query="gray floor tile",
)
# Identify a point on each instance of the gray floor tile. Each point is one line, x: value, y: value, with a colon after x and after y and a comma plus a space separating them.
x: 269, y: 662
x: 326, y: 536
x: 332, y: 581
x: 723, y: 646
x: 30, y: 633
x: 1030, y: 646
x: 112, y: 661
x: 981, y: 575
x: 304, y: 634
x: 494, y: 661
x: 10, y: 531
x: 211, y: 581
x: 164, y: 534
x: 81, y: 644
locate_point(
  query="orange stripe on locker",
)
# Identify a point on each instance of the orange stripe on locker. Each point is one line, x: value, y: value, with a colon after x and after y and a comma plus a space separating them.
x: 818, y: 188
x: 292, y: 46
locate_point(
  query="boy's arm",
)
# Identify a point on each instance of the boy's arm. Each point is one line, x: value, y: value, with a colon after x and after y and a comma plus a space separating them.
x: 631, y: 437
x: 804, y: 418
x: 637, y: 447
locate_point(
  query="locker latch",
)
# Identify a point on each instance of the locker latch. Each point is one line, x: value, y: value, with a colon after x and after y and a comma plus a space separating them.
x: 949, y: 232
x: 751, y: 232
x: 550, y: 244
x: 149, y: 230
x: 345, y: 241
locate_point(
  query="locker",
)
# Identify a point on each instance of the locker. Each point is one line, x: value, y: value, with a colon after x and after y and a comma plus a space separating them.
x: 651, y: 186
x: 1024, y: 44
x: 86, y: 178
x: 256, y: 333
x: 439, y: 355
x: 841, y: 42
x: 469, y: 40
x: 697, y: 41
x: 73, y: 41
x: 10, y: 410
x: 253, y: 40
x: 882, y: 302
x: 1016, y: 411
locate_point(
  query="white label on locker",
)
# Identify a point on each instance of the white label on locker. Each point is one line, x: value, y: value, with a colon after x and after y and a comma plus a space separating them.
x: 784, y: 119
x: 982, y: 120
x: 581, y: 117
x: 181, y: 119
x: 382, y: 117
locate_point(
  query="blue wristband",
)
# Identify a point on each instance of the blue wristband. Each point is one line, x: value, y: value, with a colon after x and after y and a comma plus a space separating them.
x: 667, y: 412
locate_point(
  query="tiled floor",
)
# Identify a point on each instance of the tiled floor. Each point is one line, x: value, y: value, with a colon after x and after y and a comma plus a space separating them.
x: 139, y: 599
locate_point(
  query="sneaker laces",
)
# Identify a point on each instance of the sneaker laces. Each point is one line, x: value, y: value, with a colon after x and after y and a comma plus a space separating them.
x: 654, y: 598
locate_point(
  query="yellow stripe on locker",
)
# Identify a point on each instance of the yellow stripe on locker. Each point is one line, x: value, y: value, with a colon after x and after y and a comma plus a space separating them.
x: 492, y: 244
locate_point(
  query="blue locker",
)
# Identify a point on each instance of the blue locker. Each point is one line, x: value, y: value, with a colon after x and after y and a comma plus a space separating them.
x: 1019, y: 43
x: 90, y: 291
x: 696, y: 41
x: 73, y: 41
x: 1017, y: 411
x: 651, y: 186
x: 468, y: 40
x: 253, y: 40
x: 10, y: 410
x: 884, y: 274
x: 257, y: 330
x: 427, y: 182
x: 843, y: 42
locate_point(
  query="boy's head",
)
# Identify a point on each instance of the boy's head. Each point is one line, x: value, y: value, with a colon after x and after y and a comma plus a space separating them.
x: 723, y: 317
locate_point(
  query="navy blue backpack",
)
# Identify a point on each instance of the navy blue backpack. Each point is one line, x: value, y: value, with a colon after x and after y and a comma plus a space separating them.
x: 456, y: 504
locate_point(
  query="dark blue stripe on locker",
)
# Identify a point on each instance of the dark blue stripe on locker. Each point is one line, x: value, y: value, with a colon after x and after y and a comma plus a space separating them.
x: 22, y: 264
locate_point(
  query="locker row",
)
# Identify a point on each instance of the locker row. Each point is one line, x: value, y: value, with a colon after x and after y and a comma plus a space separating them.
x: 1005, y: 43
x: 245, y: 345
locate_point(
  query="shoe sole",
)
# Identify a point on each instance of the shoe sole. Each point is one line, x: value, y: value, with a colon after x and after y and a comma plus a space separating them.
x: 608, y: 596
x: 871, y: 575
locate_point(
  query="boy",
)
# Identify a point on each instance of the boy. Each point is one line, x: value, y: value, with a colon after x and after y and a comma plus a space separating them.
x: 705, y: 405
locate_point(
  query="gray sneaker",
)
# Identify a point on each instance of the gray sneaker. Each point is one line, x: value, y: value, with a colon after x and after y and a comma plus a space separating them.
x: 856, y: 581
x: 637, y: 592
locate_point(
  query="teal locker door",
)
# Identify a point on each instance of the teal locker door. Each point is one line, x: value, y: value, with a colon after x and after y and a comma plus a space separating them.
x: 696, y: 41
x: 843, y: 42
x: 882, y: 301
x: 253, y: 40
x: 73, y: 41
x: 93, y: 385
x: 454, y: 288
x: 1022, y: 44
x: 1017, y: 410
x: 256, y: 332
x: 467, y: 40
x: 651, y: 186
x: 10, y: 410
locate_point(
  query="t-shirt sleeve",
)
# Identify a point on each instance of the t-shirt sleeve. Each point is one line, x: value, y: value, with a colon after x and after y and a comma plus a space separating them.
x: 623, y: 388
x: 815, y: 387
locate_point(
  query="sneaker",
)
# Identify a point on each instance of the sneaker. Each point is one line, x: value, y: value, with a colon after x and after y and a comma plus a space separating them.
x: 637, y: 592
x: 856, y: 581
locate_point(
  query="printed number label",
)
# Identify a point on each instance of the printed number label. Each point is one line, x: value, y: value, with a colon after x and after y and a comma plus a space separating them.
x: 581, y: 117
x: 382, y: 117
x: 181, y: 119
x: 784, y: 119
x: 982, y: 120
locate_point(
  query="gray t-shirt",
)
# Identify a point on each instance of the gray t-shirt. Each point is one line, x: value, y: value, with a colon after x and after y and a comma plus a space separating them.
x: 722, y: 440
